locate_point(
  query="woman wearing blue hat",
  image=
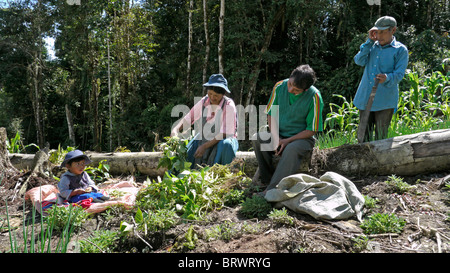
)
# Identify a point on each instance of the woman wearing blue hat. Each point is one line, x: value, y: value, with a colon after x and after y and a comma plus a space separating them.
x: 215, y: 113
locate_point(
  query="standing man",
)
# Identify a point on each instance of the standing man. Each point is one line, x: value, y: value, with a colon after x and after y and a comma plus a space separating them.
x: 293, y: 123
x: 386, y: 59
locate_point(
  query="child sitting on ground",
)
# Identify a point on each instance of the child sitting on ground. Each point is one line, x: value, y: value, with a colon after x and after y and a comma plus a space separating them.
x: 75, y: 184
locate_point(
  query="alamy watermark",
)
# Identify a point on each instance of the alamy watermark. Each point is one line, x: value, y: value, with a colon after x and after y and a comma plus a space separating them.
x: 257, y: 122
x: 73, y: 2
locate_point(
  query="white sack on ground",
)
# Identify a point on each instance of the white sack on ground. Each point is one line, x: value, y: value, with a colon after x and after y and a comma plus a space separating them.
x: 331, y: 197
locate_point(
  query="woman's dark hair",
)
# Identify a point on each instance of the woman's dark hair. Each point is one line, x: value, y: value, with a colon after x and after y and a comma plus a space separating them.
x: 218, y: 90
x: 304, y: 76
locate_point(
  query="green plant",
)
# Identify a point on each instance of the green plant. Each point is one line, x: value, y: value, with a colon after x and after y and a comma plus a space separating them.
x: 397, y: 184
x: 383, y: 223
x: 99, y: 173
x: 234, y: 197
x: 369, y: 202
x: 101, y: 241
x: 281, y: 217
x: 174, y: 154
x: 42, y: 242
x: 57, y: 156
x: 342, y: 118
x: 360, y: 243
x: 228, y: 230
x: 151, y: 221
x: 255, y: 207
x: 192, y: 194
x: 188, y: 241
x: 15, y: 145
x: 61, y: 215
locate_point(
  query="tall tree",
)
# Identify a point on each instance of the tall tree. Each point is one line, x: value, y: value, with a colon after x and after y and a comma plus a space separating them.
x: 189, y: 58
x: 207, y: 41
x: 221, y: 35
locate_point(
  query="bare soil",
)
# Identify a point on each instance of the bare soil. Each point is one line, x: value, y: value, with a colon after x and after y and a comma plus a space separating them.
x: 425, y: 209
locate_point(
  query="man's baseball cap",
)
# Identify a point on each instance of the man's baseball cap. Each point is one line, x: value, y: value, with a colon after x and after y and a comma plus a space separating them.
x: 385, y: 22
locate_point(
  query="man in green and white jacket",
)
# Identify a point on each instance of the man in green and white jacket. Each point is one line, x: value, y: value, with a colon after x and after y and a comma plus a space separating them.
x: 295, y: 116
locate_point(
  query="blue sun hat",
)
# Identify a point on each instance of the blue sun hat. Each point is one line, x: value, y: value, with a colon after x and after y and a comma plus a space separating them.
x: 219, y: 81
x: 75, y: 154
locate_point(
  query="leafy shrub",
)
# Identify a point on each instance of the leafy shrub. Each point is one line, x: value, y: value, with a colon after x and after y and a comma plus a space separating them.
x: 57, y: 156
x: 397, y: 184
x: 192, y: 194
x: 383, y: 223
x: 234, y: 197
x: 174, y: 154
x: 370, y: 202
x: 100, y: 173
x: 281, y: 217
x: 228, y: 230
x: 101, y: 241
x: 61, y: 215
x: 255, y: 207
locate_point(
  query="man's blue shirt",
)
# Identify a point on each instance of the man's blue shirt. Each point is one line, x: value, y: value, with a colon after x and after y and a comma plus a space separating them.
x: 392, y: 60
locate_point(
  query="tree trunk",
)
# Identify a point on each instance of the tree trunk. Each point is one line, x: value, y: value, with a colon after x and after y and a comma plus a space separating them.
x: 70, y: 126
x: 207, y: 43
x: 267, y: 39
x: 6, y: 167
x: 420, y: 153
x: 188, y: 70
x: 221, y: 33
x: 408, y: 155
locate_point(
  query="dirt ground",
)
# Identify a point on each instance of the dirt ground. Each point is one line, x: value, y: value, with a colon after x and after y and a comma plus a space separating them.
x: 425, y: 209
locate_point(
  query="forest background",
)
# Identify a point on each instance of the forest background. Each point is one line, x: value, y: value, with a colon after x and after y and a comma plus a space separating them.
x: 120, y: 66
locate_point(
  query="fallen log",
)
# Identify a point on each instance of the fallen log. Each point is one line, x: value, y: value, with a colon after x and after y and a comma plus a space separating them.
x: 421, y: 153
x: 408, y: 155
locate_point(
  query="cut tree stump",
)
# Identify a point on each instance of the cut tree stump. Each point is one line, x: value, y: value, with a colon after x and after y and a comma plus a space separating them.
x: 409, y: 155
x: 6, y: 168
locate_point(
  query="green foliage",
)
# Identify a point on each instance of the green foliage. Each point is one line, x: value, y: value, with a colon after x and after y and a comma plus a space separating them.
x: 397, y: 184
x: 64, y: 224
x: 424, y: 106
x: 234, y: 197
x: 15, y: 145
x: 61, y: 215
x: 383, y: 223
x: 57, y: 156
x: 143, y: 71
x: 281, y: 217
x: 341, y: 124
x: 100, y: 173
x: 101, y: 241
x: 188, y: 241
x: 255, y: 207
x: 192, y: 194
x: 360, y: 243
x: 228, y: 230
x: 174, y: 154
x: 148, y: 221
x: 158, y: 220
x: 369, y: 202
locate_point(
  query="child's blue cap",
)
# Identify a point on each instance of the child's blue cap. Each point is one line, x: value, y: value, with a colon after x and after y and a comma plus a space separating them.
x: 75, y: 154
